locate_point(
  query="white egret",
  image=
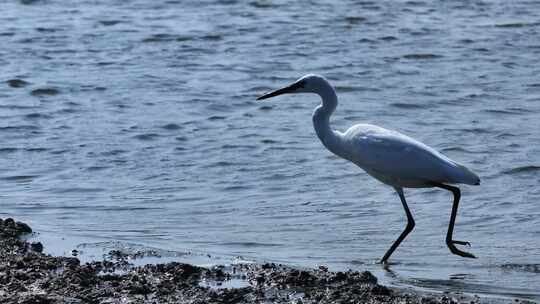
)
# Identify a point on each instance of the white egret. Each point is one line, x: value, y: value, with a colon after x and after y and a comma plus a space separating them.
x: 389, y: 156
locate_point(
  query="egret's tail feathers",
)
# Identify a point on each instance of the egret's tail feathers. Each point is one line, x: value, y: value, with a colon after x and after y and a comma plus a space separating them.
x: 466, y: 176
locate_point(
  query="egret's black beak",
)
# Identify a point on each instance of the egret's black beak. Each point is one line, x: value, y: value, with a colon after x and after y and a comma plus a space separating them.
x: 288, y: 89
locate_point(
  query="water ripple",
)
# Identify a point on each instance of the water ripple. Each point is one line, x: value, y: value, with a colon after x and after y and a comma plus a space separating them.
x: 522, y: 169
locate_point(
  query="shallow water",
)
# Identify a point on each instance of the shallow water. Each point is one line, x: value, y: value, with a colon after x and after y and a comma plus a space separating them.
x: 136, y: 122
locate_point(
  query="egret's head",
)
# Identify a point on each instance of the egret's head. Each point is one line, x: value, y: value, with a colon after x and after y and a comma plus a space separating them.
x: 310, y: 83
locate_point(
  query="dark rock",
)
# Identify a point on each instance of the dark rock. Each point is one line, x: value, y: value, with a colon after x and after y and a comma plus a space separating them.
x: 268, y: 266
x: 9, y: 222
x: 36, y: 246
x: 24, y: 228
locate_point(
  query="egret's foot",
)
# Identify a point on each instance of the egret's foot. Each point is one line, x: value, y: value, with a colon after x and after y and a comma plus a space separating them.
x: 462, y: 243
x: 456, y: 251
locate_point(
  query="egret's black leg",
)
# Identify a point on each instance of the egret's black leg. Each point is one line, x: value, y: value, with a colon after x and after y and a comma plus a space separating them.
x: 449, y: 241
x: 408, y: 228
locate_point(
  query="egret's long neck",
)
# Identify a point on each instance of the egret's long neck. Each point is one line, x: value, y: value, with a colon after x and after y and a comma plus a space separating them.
x: 321, y: 120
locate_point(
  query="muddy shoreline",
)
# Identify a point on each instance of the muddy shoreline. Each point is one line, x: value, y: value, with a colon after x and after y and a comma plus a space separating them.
x: 27, y: 275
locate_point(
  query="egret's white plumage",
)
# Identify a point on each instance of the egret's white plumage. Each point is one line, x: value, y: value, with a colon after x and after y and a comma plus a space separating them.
x: 400, y: 161
x: 389, y: 156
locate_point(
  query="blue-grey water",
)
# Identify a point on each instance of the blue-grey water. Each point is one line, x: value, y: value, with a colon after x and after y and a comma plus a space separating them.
x: 137, y: 123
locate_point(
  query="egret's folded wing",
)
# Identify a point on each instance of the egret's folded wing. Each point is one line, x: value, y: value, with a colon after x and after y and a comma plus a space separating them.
x: 393, y: 154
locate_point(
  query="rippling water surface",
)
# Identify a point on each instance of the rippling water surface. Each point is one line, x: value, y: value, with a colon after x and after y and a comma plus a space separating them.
x: 136, y: 122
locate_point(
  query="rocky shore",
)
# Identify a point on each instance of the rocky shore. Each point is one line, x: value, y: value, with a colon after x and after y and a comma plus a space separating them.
x: 27, y: 275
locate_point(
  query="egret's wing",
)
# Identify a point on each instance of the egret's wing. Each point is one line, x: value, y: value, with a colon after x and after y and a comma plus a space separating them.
x: 392, y: 154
